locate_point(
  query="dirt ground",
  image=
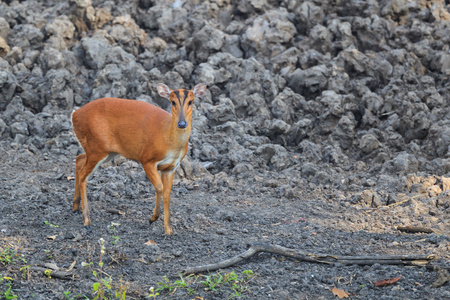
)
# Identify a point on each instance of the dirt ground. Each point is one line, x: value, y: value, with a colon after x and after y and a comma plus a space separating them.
x: 213, y: 220
x: 325, y: 127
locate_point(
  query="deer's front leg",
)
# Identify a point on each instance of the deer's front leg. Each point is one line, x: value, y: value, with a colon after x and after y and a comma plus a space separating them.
x: 153, y: 175
x: 167, y: 181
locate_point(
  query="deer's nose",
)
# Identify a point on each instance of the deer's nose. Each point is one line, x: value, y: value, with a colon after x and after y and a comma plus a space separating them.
x: 182, y: 124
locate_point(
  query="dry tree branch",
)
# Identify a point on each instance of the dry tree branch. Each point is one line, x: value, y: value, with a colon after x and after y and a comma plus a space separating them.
x: 415, y: 229
x: 407, y: 260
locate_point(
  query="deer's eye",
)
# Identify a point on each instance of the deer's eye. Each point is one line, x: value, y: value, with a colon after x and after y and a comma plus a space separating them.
x: 190, y: 103
x: 173, y: 103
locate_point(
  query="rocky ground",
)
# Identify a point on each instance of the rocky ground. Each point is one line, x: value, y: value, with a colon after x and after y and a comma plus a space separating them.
x: 326, y: 125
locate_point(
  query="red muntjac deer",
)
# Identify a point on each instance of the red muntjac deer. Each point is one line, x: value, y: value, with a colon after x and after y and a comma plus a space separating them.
x: 138, y: 131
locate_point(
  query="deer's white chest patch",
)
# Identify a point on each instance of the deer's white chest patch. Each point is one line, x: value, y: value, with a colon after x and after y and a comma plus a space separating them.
x: 170, y: 162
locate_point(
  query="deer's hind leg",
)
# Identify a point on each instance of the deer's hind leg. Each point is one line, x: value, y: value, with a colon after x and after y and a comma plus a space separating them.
x: 85, y: 166
x: 80, y: 161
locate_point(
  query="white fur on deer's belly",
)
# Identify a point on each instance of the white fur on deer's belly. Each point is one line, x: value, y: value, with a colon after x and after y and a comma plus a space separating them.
x: 170, y: 162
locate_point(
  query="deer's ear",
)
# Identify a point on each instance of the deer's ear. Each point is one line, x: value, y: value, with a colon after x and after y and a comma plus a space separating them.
x: 199, y: 90
x: 163, y: 90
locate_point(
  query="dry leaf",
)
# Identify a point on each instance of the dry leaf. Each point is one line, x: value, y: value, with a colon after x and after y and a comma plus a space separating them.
x: 340, y: 293
x: 384, y: 282
x: 115, y: 224
x: 70, y: 178
x: 141, y: 260
x: 51, y: 237
x: 71, y: 266
x: 150, y: 242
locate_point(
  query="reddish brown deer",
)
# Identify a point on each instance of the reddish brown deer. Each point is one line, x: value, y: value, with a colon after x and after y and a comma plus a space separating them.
x: 138, y: 131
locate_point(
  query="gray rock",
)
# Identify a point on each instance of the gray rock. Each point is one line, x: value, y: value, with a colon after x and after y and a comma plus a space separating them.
x: 170, y: 23
x: 342, y: 35
x: 309, y: 169
x: 372, y: 33
x: 268, y: 35
x: 221, y: 113
x: 175, y: 79
x: 322, y: 178
x: 371, y: 198
x: 252, y: 6
x: 2, y: 127
x: 208, y: 152
x: 205, y: 42
x: 30, y: 58
x: 395, y: 8
x: 321, y: 39
x: 60, y: 32
x: 353, y: 60
x: 19, y: 128
x: 4, y: 28
x: 51, y: 59
x: 275, y: 156
x: 368, y: 143
x: 277, y: 128
x: 8, y: 84
x: 439, y: 139
x: 404, y: 163
x: 127, y: 34
x: 285, y: 105
x: 232, y: 45
x: 309, y: 82
x: 344, y: 132
x: 242, y: 170
x: 307, y: 15
x: 83, y: 15
x: 14, y: 108
x: 60, y: 93
x: 334, y: 155
x: 185, y: 69
x: 205, y: 73
x: 4, y: 48
x: 14, y: 56
x: 95, y: 50
x: 26, y: 36
x: 299, y: 131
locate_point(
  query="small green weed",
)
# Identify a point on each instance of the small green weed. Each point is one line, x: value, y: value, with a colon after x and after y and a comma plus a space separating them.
x: 10, y: 256
x: 68, y: 296
x: 165, y: 285
x: 25, y: 272
x: 50, y: 224
x: 212, y: 281
x: 115, y: 239
x: 153, y: 294
x: 236, y: 285
x: 6, y: 288
x: 105, y: 288
x: 113, y: 229
x: 49, y: 254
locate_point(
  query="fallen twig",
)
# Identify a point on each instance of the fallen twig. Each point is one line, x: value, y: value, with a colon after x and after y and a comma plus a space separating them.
x: 408, y: 260
x: 114, y: 211
x: 53, y: 273
x: 415, y: 229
